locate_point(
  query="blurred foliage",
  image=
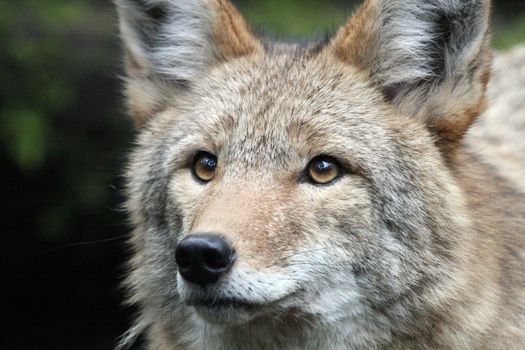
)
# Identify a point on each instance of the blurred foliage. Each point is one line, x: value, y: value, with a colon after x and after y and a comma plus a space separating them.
x: 61, y: 129
x: 63, y: 135
x: 296, y: 19
x: 510, y: 32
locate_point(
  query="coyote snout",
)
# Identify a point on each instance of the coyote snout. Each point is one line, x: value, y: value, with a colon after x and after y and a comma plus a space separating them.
x: 224, y: 270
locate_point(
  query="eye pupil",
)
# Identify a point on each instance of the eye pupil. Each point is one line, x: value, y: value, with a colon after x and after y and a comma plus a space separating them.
x: 323, y: 166
x: 204, y: 166
x: 208, y: 163
x: 323, y: 170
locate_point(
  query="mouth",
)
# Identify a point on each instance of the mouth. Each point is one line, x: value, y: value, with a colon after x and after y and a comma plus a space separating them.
x: 226, y: 303
x: 225, y: 311
x: 233, y: 311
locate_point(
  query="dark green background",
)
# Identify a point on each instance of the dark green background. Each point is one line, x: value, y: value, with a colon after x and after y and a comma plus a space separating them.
x: 63, y: 142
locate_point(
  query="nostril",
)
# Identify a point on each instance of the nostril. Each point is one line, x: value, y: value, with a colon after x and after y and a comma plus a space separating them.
x: 182, y: 258
x: 217, y: 258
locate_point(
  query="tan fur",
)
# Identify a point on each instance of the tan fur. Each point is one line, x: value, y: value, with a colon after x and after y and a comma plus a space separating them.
x: 419, y: 244
x: 245, y: 228
x: 231, y: 32
x: 352, y: 42
x: 498, y: 136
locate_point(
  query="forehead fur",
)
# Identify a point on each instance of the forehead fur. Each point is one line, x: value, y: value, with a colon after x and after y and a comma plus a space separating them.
x: 282, y: 103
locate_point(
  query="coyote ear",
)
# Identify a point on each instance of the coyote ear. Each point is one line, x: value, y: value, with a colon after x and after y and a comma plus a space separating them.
x: 430, y: 58
x: 169, y: 44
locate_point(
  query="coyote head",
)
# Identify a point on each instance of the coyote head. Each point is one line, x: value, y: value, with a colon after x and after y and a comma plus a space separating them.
x: 308, y: 183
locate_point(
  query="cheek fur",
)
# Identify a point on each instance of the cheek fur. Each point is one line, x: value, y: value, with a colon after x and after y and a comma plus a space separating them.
x: 343, y: 208
x: 187, y: 197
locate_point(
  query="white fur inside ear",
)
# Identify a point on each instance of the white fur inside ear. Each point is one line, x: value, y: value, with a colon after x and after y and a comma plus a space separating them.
x: 414, y: 34
x: 187, y: 48
x: 401, y: 47
x: 178, y: 46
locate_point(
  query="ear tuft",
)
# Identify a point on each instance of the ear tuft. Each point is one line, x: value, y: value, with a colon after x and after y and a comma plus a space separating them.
x: 430, y: 58
x: 170, y: 44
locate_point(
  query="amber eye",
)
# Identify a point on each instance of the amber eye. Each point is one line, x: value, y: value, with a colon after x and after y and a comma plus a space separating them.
x: 323, y: 170
x: 204, y: 166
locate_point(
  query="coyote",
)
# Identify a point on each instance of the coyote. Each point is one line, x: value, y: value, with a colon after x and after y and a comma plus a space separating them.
x: 361, y: 192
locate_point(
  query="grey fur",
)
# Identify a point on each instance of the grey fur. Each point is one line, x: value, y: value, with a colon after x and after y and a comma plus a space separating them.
x: 176, y: 43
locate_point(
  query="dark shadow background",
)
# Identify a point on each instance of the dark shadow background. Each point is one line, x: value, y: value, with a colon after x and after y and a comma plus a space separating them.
x: 64, y: 137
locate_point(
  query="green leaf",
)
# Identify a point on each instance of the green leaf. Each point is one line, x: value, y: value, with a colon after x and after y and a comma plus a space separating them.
x: 26, y: 134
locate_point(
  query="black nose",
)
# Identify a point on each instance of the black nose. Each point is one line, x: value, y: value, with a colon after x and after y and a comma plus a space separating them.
x: 203, y: 258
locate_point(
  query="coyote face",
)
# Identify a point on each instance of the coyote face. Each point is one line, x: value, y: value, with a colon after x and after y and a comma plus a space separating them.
x: 307, y: 197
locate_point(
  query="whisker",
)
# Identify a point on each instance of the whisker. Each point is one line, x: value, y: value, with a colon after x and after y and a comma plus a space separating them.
x: 205, y: 337
x: 251, y: 334
x: 82, y: 244
x: 337, y: 264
